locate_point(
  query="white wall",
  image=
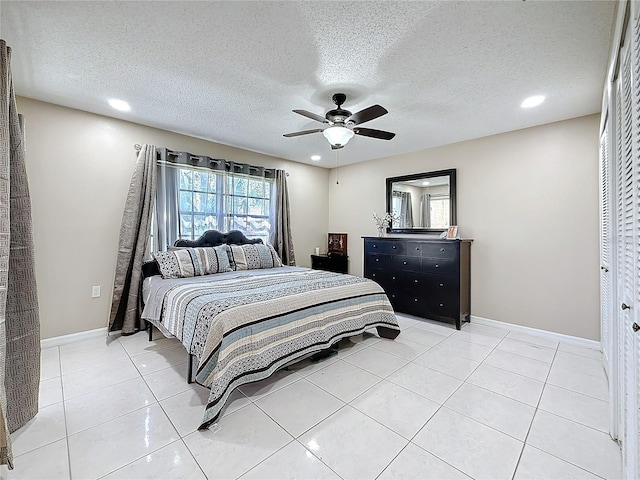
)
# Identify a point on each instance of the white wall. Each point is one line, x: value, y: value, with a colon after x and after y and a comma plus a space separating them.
x: 79, y: 166
x: 528, y: 198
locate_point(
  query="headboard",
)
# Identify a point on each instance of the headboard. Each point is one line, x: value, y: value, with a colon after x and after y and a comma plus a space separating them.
x: 210, y: 238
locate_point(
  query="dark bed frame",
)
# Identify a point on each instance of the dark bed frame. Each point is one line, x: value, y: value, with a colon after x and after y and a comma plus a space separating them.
x: 213, y: 238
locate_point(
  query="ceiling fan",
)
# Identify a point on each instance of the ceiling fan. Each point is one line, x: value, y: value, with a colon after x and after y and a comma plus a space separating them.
x: 343, y: 125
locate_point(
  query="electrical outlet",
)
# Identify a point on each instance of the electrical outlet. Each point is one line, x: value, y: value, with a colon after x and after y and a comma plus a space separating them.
x: 95, y: 291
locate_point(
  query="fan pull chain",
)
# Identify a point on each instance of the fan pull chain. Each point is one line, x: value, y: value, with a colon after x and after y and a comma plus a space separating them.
x: 337, y: 165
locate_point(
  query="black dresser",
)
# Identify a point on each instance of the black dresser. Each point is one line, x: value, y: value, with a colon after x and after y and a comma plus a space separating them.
x: 428, y: 278
x: 331, y: 263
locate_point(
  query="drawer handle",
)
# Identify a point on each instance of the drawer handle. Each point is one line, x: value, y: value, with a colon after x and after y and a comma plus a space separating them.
x: 437, y: 265
x: 393, y: 278
x: 416, y: 281
x: 393, y: 295
x: 442, y: 284
x: 442, y: 249
x: 415, y: 299
x: 375, y: 246
x: 442, y: 304
x: 418, y: 248
x: 373, y: 275
x: 404, y: 263
x: 377, y: 259
x: 394, y: 247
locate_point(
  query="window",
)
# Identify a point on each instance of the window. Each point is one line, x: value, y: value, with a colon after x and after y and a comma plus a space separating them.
x: 247, y: 203
x: 222, y: 201
x: 197, y: 203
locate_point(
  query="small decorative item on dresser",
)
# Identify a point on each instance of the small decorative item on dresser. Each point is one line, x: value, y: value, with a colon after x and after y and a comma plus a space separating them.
x: 382, y: 223
x: 452, y: 232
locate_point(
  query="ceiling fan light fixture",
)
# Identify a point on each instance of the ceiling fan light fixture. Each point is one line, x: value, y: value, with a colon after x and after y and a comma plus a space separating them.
x: 337, y: 135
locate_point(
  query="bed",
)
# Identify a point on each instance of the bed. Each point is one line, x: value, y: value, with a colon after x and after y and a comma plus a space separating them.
x: 242, y: 324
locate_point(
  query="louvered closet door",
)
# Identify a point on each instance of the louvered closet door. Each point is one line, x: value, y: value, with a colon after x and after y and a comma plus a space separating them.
x: 627, y: 180
x: 605, y: 250
x: 616, y: 381
x: 633, y: 336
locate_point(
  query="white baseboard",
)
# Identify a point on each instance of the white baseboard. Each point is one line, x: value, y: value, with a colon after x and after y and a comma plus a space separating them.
x: 73, y: 337
x: 557, y: 337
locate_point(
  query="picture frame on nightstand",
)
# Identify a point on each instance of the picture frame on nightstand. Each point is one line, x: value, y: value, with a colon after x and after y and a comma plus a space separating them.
x: 337, y: 244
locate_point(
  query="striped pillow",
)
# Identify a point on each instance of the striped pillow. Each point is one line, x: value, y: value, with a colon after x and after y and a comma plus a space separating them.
x: 255, y: 256
x: 192, y: 262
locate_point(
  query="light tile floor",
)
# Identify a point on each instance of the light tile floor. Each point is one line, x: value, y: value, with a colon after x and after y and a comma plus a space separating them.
x: 483, y: 403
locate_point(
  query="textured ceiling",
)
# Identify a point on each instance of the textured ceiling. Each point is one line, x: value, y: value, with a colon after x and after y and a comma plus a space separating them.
x: 232, y: 71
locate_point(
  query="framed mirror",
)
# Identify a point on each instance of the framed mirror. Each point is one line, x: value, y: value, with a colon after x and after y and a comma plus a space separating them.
x: 422, y: 202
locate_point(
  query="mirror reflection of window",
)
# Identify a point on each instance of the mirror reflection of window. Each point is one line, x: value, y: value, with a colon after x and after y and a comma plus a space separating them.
x: 422, y: 202
x: 439, y: 211
x: 402, y: 208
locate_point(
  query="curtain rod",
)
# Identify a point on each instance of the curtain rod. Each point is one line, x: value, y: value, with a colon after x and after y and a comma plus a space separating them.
x: 138, y: 147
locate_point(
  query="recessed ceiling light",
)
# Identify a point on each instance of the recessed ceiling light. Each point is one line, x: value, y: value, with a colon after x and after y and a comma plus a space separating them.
x: 119, y: 105
x: 315, y: 158
x: 532, y: 101
x: 425, y: 183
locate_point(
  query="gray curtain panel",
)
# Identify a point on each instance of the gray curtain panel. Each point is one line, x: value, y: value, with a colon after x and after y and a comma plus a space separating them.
x: 133, y: 246
x: 425, y: 210
x: 405, y: 215
x: 19, y: 314
x: 167, y: 215
x: 407, y: 209
x: 280, y: 236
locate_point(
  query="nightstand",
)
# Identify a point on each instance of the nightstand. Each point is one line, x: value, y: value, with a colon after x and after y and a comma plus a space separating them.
x: 330, y: 263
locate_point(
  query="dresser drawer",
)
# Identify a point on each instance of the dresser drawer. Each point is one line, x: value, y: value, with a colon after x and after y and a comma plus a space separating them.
x: 441, y: 307
x: 439, y: 266
x: 420, y: 304
x: 385, y: 246
x: 439, y: 250
x: 405, y: 262
x: 413, y: 248
x: 378, y: 276
x: 430, y: 284
x: 377, y: 262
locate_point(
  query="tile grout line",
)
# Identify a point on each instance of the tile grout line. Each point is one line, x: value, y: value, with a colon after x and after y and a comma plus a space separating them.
x: 526, y: 437
x: 441, y: 405
x: 447, y: 399
x: 64, y: 412
x: 119, y: 416
x: 168, y: 418
x: 539, y: 409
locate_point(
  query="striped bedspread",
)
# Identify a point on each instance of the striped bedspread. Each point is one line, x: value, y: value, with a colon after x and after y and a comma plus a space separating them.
x: 242, y: 328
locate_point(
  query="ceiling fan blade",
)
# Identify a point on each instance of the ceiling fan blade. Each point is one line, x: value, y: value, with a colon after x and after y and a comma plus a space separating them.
x: 310, y: 115
x: 303, y: 132
x: 367, y: 114
x: 370, y: 132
